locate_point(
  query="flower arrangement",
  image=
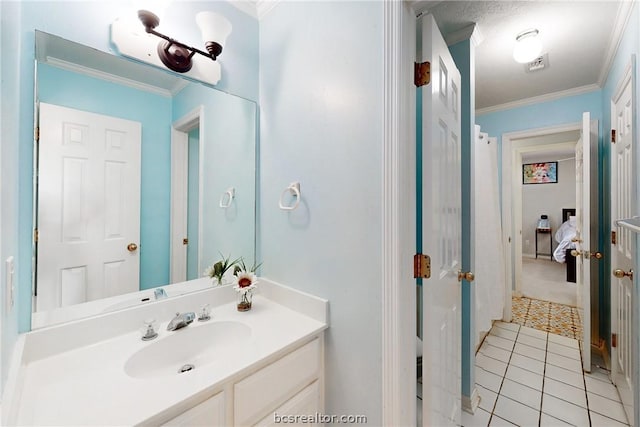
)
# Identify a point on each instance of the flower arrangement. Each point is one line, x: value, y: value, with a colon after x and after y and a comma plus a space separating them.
x: 244, y: 284
x: 217, y: 270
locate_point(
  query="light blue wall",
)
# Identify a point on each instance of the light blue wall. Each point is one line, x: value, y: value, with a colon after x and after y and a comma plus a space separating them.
x: 69, y: 89
x: 544, y: 114
x: 10, y: 41
x: 321, y: 103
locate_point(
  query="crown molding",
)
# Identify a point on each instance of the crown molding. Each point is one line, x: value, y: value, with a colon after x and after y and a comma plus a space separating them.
x: 247, y: 6
x: 264, y: 7
x: 91, y: 72
x: 622, y: 18
x: 538, y: 99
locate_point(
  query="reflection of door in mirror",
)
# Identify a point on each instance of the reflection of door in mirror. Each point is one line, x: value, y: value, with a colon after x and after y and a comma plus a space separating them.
x: 185, y: 196
x: 88, y: 207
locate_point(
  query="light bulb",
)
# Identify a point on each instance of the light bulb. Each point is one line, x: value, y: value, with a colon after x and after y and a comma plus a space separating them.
x: 528, y: 47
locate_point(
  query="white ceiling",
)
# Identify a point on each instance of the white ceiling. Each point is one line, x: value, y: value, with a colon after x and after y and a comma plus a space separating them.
x: 580, y: 38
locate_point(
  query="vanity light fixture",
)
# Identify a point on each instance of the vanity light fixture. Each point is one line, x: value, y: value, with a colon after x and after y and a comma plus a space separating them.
x: 177, y: 56
x: 528, y: 46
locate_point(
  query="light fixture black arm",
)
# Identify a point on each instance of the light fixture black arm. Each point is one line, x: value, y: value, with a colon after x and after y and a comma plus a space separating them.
x: 211, y: 46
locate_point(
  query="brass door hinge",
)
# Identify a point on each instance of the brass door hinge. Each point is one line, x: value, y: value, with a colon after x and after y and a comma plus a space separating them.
x: 614, y: 340
x: 421, y: 73
x: 614, y: 240
x: 421, y: 266
x: 36, y: 235
x: 36, y: 134
x: 613, y: 136
x: 185, y: 241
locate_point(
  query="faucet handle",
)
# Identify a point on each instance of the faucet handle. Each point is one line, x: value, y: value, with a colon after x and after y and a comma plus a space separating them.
x: 205, y: 313
x: 149, y: 330
x: 159, y: 293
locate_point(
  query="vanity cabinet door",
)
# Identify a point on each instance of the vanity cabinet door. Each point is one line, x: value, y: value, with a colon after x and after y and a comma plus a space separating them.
x: 258, y: 395
x: 304, y: 404
x: 209, y: 413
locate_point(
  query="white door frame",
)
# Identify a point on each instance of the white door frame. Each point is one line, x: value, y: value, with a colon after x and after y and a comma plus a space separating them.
x: 398, y: 216
x: 512, y: 149
x: 179, y: 191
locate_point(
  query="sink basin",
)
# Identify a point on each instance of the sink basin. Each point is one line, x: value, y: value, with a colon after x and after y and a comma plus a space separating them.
x: 187, y: 349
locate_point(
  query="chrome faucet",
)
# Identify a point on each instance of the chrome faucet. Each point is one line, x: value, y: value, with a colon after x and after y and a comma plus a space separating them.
x: 181, y: 320
x: 159, y: 293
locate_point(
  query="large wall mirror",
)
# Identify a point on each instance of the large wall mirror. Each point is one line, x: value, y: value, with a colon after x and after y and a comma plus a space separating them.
x: 144, y: 179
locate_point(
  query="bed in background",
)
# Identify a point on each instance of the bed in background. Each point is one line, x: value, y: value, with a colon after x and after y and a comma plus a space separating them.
x: 566, y: 232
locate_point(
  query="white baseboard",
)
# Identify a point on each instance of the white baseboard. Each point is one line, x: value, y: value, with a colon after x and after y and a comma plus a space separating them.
x: 530, y: 256
x: 470, y: 403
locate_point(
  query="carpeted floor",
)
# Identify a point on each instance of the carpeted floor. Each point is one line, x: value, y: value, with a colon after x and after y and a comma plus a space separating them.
x: 547, y: 316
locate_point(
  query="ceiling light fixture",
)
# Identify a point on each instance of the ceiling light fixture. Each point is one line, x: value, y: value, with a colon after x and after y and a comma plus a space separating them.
x: 528, y: 46
x: 177, y: 56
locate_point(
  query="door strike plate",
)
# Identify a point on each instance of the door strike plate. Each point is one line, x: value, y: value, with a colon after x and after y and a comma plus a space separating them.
x: 421, y: 73
x: 421, y: 266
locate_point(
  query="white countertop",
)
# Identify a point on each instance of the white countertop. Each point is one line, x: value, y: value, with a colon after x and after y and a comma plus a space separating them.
x: 84, y: 381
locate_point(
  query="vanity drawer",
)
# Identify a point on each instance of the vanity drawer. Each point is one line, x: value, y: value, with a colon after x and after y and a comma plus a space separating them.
x: 258, y: 395
x: 306, y: 403
x: 209, y: 413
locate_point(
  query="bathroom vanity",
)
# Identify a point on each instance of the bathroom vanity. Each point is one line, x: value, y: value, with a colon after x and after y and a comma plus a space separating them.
x: 238, y: 368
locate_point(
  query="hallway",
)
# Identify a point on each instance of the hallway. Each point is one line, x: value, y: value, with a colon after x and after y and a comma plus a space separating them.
x: 528, y: 377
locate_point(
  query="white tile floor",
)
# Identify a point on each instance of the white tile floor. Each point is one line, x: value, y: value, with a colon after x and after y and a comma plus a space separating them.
x: 526, y: 377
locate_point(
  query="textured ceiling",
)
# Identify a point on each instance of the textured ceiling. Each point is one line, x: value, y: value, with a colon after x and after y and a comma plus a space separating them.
x: 576, y: 35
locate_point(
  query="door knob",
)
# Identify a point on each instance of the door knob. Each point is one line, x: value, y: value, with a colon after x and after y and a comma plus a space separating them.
x: 587, y: 254
x: 132, y: 247
x: 619, y: 273
x: 596, y: 255
x: 468, y: 276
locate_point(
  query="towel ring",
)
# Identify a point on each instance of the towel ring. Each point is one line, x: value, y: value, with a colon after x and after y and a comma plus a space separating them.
x: 227, y: 197
x: 294, y: 189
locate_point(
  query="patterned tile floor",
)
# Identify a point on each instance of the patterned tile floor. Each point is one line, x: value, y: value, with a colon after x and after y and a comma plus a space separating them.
x: 547, y: 316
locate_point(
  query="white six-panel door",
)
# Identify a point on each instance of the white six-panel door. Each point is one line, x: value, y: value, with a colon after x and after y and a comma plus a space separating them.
x: 622, y: 251
x: 441, y: 222
x: 583, y: 237
x: 88, y: 207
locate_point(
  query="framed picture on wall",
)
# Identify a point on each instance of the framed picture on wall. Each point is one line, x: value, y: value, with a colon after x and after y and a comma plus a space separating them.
x: 540, y: 173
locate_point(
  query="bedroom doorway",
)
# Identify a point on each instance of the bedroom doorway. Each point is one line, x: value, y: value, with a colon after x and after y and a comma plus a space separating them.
x: 540, y: 289
x: 547, y: 227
